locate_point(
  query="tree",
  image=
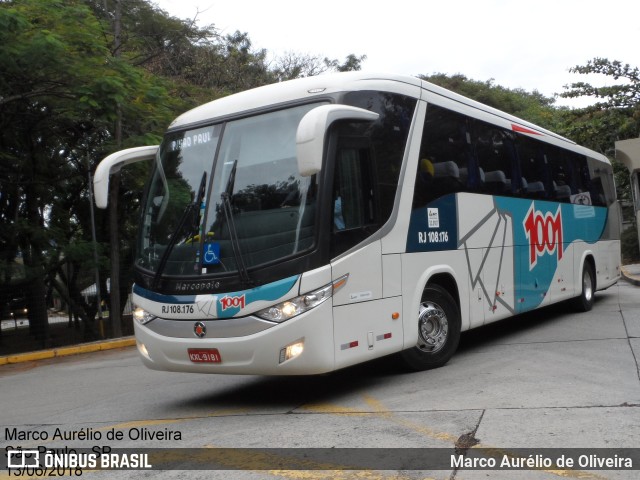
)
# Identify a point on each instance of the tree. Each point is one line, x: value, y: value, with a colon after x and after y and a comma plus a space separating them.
x: 352, y: 63
x: 60, y: 91
x: 531, y: 106
x: 621, y: 95
x: 68, y: 87
x: 292, y: 65
x: 614, y: 115
x: 35, y: 115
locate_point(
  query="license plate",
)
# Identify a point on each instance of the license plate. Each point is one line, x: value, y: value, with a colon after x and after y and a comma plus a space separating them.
x: 204, y: 355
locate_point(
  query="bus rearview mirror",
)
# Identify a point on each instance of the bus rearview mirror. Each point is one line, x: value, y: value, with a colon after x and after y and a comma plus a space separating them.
x: 112, y: 164
x: 313, y: 128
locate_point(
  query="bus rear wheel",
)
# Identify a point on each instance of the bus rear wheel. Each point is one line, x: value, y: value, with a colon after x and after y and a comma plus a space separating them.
x: 584, y: 302
x: 438, y: 331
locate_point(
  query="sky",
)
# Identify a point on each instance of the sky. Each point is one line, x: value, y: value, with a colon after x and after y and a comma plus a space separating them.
x: 518, y: 44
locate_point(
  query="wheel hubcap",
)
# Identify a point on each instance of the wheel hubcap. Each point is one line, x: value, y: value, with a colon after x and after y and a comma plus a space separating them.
x: 433, y: 327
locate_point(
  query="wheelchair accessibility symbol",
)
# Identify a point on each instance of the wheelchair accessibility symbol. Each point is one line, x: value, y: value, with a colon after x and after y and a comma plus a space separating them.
x: 211, y: 254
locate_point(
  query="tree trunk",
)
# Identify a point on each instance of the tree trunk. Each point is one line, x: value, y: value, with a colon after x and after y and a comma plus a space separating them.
x: 37, y: 310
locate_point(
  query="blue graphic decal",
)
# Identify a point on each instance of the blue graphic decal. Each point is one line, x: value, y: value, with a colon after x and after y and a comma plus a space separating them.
x: 232, y: 303
x: 211, y: 253
x: 434, y: 227
x: 506, y: 240
x: 542, y: 231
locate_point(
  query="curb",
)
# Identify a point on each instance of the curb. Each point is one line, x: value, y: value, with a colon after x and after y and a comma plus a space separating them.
x: 66, y: 351
x: 634, y: 280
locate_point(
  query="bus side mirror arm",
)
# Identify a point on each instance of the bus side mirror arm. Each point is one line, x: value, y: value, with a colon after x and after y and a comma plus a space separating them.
x: 313, y: 128
x: 112, y: 164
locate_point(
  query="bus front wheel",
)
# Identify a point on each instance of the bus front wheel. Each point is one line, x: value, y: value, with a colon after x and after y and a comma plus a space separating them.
x: 438, y: 331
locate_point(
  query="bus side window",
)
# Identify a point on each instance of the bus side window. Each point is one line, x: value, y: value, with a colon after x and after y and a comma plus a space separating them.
x: 444, y: 165
x: 602, y: 187
x: 533, y: 166
x: 561, y: 175
x: 494, y: 150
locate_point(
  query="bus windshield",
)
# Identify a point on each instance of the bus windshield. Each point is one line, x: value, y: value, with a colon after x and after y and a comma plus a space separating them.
x: 227, y: 197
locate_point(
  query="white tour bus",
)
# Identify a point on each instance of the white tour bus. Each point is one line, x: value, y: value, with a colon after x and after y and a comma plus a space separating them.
x: 310, y: 225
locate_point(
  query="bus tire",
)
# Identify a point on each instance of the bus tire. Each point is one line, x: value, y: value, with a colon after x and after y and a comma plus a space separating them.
x: 584, y: 302
x: 438, y: 331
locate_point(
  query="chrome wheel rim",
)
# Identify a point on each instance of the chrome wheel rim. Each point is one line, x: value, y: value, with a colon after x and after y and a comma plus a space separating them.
x: 433, y: 327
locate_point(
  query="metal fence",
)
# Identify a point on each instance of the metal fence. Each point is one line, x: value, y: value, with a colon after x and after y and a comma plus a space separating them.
x: 64, y: 325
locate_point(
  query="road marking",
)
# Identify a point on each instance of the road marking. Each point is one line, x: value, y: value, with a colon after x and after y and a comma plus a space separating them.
x: 333, y: 409
x: 165, y: 421
x: 383, y: 412
x: 496, y: 452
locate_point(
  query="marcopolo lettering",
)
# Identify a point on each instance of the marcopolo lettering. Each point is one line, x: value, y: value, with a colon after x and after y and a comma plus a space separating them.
x: 196, y: 286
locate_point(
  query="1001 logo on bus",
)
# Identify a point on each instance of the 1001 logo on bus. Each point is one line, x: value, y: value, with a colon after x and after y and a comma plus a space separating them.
x: 544, y: 232
x: 232, y: 302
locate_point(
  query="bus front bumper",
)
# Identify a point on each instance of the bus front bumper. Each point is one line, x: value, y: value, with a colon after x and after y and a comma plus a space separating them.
x: 300, y: 346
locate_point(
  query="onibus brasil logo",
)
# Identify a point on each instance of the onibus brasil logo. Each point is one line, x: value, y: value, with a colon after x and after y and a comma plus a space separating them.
x: 544, y: 232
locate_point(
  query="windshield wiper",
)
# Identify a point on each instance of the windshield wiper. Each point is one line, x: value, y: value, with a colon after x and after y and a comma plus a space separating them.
x: 231, y: 226
x: 190, y: 210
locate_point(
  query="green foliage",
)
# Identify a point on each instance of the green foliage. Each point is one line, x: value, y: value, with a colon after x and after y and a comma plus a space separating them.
x: 292, y: 65
x: 615, y: 114
x: 73, y: 74
x: 531, y: 106
x: 61, y: 93
x: 621, y: 95
x: 351, y: 63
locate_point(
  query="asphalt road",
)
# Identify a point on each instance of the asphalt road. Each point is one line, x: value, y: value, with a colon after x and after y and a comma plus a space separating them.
x: 549, y: 379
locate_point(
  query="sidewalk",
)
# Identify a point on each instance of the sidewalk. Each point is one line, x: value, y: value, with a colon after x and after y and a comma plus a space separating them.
x: 66, y: 351
x: 631, y: 273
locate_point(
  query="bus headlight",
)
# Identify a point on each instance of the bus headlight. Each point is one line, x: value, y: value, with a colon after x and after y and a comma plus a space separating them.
x: 285, y: 310
x: 141, y: 316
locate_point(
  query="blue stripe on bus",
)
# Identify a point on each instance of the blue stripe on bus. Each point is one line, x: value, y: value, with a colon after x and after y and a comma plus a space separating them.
x: 160, y: 298
x: 269, y: 292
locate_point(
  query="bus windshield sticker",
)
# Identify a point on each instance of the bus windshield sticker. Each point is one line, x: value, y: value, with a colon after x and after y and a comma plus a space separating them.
x: 433, y: 217
x: 211, y: 253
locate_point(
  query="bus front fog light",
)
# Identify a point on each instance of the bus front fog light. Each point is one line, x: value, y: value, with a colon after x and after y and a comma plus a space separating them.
x: 291, y: 351
x: 143, y: 350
